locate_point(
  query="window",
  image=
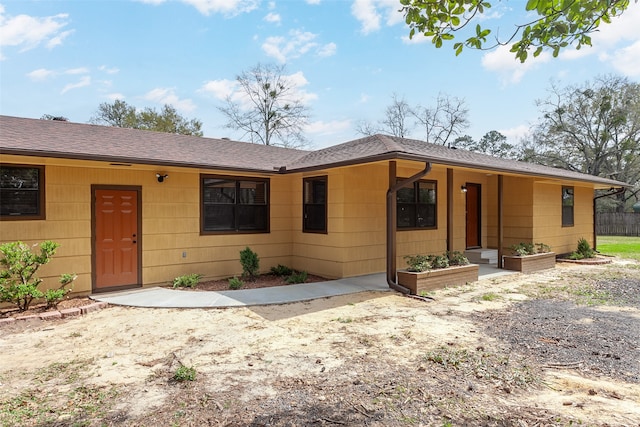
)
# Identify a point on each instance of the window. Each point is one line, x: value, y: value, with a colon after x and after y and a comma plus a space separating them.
x: 416, y: 205
x: 232, y: 204
x: 314, y: 215
x: 21, y: 192
x: 567, y: 206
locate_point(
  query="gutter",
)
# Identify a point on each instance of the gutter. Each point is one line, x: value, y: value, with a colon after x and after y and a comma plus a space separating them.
x: 613, y: 192
x: 391, y: 228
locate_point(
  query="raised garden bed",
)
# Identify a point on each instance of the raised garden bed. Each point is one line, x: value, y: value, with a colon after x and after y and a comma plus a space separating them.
x: 529, y: 263
x: 430, y: 280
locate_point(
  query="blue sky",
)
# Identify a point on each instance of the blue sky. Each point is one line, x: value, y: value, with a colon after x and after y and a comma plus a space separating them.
x: 346, y: 59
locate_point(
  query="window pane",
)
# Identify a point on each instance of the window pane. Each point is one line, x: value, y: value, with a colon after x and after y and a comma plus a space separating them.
x: 406, y: 195
x: 567, y: 196
x: 314, y: 217
x: 252, y: 217
x: 315, y: 191
x: 427, y: 192
x: 426, y: 216
x: 219, y: 217
x: 20, y: 190
x: 406, y: 215
x: 253, y: 193
x: 219, y: 191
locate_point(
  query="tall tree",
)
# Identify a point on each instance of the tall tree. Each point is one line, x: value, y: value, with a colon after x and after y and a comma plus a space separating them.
x: 493, y: 143
x: 445, y: 121
x: 592, y: 128
x: 121, y: 114
x: 396, y: 120
x: 269, y: 109
x: 557, y: 25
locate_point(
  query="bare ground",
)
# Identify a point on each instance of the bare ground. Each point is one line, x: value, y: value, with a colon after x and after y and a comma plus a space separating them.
x: 556, y: 348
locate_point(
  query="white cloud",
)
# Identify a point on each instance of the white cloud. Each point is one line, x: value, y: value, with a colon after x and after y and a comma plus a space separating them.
x: 313, y: 1
x: 283, y: 49
x: 627, y: 60
x: 327, y: 128
x: 223, y: 89
x: 168, y: 96
x: 273, y: 18
x: 517, y: 133
x: 40, y: 74
x: 108, y: 70
x: 220, y: 89
x: 370, y: 13
x: 83, y: 82
x: 227, y: 7
x: 508, y: 67
x: 328, y: 49
x: 29, y: 32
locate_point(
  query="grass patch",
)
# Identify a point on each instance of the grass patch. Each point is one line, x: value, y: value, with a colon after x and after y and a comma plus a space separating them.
x: 490, y: 296
x: 620, y: 246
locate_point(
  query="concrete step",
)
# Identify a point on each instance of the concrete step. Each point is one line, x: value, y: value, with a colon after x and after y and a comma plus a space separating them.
x: 482, y: 256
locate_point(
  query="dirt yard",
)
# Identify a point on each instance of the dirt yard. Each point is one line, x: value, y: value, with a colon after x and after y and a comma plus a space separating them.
x: 556, y: 348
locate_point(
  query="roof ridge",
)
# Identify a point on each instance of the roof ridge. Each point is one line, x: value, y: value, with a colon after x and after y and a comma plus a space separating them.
x: 389, y: 142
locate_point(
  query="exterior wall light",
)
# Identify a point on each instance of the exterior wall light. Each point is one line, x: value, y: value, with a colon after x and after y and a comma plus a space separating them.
x: 161, y: 177
x: 463, y: 188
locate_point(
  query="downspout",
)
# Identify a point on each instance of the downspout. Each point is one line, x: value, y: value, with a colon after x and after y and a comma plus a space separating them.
x: 391, y: 226
x: 614, y: 193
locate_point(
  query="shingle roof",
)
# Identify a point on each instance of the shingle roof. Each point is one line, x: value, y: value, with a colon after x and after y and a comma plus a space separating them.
x: 49, y: 138
x: 378, y: 147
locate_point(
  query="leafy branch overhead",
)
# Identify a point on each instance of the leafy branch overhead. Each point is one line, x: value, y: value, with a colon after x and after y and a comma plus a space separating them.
x: 554, y: 24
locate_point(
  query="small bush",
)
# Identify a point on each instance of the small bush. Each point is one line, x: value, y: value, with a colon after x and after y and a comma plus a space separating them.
x: 524, y: 249
x: 297, y: 277
x: 418, y: 263
x: 250, y: 263
x: 18, y: 280
x: 185, y: 373
x: 187, y: 281
x: 457, y: 258
x: 54, y: 296
x: 281, y: 270
x: 235, y: 283
x: 584, y: 250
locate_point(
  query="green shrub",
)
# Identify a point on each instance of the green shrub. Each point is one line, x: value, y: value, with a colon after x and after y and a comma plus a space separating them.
x: 235, y: 283
x: 457, y: 258
x: 584, y: 250
x: 281, y: 270
x: 54, y: 296
x: 523, y: 249
x: 250, y: 263
x: 18, y: 280
x: 187, y: 281
x: 418, y: 263
x: 297, y: 277
x: 185, y: 373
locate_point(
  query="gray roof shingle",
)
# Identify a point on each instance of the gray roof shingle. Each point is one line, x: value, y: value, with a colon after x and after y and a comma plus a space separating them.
x: 49, y: 138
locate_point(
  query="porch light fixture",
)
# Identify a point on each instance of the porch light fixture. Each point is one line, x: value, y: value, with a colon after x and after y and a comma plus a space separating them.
x: 463, y: 188
x: 161, y: 177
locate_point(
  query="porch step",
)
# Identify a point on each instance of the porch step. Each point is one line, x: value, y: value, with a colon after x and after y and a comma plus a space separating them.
x: 482, y: 256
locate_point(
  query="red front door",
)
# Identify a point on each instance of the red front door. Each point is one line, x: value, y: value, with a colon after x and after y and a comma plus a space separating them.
x: 473, y: 216
x: 116, y: 238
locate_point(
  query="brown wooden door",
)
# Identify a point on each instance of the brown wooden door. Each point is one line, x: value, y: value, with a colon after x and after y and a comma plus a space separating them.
x: 116, y: 239
x: 473, y: 216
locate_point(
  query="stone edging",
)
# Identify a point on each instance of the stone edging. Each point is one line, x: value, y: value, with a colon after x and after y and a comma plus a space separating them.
x: 586, y: 261
x: 57, y: 314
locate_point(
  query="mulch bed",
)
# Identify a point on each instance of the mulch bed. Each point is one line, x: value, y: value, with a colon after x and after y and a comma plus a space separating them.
x: 262, y: 281
x: 34, y: 309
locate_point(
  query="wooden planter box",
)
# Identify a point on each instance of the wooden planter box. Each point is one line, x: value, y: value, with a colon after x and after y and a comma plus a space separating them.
x: 529, y: 263
x: 438, y: 278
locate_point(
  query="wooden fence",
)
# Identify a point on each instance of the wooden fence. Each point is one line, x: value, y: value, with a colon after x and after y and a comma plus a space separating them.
x: 618, y: 224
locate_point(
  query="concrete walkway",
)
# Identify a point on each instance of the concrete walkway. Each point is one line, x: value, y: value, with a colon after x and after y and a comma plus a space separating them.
x: 176, y: 298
